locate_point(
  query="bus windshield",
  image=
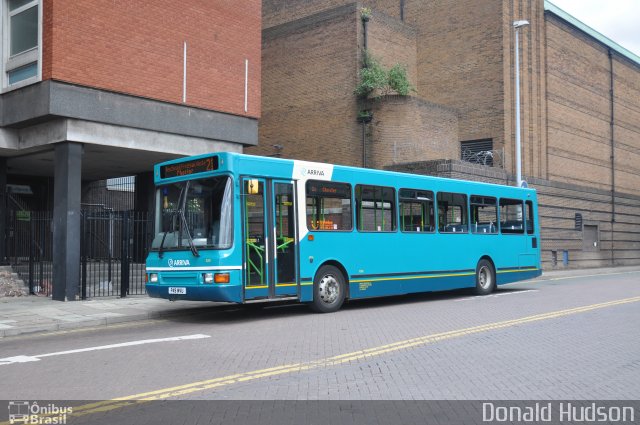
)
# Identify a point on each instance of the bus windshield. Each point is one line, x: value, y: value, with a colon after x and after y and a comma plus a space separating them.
x: 194, y: 214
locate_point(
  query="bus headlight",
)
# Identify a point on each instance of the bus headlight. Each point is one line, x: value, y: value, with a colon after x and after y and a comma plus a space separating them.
x: 153, y: 277
x: 207, y: 277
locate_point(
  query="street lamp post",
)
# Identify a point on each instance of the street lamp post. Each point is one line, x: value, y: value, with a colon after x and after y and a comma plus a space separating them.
x: 517, y: 25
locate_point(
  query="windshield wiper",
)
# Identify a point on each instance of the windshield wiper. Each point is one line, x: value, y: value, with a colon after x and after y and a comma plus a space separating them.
x: 182, y: 200
x: 173, y: 227
x: 194, y: 250
x: 183, y: 219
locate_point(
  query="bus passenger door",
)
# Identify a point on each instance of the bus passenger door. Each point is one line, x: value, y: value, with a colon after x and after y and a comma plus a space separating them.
x: 269, y: 237
x: 254, y: 238
x: 284, y: 239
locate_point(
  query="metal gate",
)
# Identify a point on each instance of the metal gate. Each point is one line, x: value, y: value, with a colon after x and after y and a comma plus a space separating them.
x: 113, y: 248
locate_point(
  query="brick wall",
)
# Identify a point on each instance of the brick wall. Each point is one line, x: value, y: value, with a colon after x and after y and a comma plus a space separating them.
x: 136, y: 48
x: 460, y: 62
x: 626, y: 113
x: 309, y: 74
x: 392, y: 42
x: 405, y: 128
x: 320, y: 56
x: 277, y: 12
x: 579, y: 112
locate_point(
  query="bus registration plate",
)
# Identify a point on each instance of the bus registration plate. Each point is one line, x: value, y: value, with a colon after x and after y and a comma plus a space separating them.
x: 178, y: 291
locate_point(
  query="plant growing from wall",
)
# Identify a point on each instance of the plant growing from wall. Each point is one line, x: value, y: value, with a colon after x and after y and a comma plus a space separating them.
x: 398, y: 81
x: 372, y: 76
x: 365, y: 13
x: 365, y: 115
x: 376, y: 81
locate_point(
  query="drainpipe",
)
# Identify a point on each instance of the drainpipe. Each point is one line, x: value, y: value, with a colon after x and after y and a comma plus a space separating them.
x: 364, y: 145
x: 365, y: 22
x: 613, y: 155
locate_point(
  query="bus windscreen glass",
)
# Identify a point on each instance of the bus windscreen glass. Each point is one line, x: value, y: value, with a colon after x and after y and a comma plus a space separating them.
x: 195, y: 213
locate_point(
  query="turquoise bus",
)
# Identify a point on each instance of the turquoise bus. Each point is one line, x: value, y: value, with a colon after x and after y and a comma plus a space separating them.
x: 242, y: 229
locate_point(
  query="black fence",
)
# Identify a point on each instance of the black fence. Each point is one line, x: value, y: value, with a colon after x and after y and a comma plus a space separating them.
x: 113, y: 248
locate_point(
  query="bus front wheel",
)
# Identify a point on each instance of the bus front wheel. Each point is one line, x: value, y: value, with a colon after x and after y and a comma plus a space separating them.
x: 485, y: 277
x: 329, y: 290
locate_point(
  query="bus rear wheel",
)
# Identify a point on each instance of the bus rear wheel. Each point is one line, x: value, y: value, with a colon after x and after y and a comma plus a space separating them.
x: 485, y: 277
x: 329, y: 290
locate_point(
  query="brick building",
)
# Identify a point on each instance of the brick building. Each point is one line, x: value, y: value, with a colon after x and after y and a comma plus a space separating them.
x: 99, y: 89
x: 580, y: 97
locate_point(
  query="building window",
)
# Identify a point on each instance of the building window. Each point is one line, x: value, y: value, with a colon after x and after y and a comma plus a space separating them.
x: 21, y: 30
x: 478, y: 151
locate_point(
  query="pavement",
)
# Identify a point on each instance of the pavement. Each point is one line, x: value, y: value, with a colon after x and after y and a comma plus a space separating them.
x: 33, y: 314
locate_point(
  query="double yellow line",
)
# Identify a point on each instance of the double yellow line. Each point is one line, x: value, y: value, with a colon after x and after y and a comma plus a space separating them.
x: 181, y: 390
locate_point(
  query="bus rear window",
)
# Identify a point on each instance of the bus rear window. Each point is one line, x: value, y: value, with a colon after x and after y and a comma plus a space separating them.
x: 328, y: 206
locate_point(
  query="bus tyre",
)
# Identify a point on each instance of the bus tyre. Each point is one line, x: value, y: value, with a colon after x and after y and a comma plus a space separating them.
x: 485, y: 277
x: 329, y: 290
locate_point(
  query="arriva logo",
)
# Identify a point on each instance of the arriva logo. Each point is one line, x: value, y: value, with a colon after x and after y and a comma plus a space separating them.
x: 173, y: 262
x: 311, y: 172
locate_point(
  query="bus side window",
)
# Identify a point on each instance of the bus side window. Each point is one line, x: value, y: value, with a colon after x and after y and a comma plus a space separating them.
x: 452, y: 212
x: 530, y: 224
x: 375, y: 208
x: 416, y: 211
x: 511, y: 216
x: 484, y: 215
x: 328, y: 206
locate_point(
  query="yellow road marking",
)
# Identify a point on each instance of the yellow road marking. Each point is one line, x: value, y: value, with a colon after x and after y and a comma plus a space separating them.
x: 107, y: 405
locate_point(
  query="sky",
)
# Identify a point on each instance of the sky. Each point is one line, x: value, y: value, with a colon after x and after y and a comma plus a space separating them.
x: 619, y: 20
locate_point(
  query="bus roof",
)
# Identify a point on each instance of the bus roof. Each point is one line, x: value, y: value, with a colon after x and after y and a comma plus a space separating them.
x: 251, y: 165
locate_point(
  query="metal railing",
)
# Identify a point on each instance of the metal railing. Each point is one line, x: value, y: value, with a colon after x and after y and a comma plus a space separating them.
x: 491, y: 158
x: 113, y: 249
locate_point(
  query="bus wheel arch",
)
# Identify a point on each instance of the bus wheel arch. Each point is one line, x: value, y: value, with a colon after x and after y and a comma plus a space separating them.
x: 485, y: 276
x: 330, y: 287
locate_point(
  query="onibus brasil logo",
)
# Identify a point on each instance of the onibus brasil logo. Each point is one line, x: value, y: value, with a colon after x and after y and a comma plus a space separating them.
x: 24, y: 412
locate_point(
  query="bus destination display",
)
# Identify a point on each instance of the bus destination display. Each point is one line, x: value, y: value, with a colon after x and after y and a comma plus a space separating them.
x: 201, y: 165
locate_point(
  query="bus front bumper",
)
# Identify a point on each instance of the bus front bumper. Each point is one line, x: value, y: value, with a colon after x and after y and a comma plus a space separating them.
x: 199, y: 292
